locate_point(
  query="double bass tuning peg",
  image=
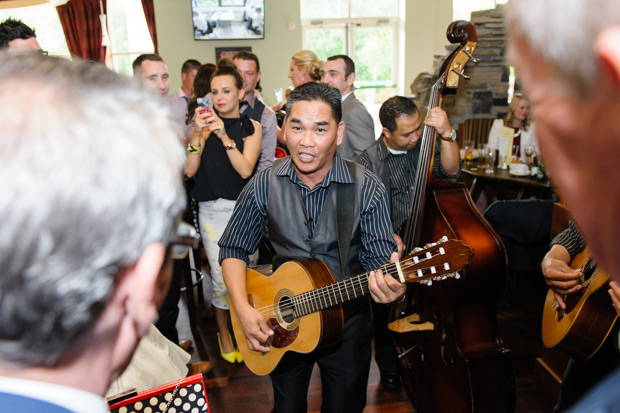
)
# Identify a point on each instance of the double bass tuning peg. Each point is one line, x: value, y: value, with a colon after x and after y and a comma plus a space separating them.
x: 471, y: 57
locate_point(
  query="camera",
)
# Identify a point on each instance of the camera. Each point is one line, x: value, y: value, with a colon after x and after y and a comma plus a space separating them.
x: 205, y: 102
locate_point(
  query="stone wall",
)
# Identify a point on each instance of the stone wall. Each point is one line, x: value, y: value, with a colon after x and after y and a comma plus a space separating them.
x: 485, y: 94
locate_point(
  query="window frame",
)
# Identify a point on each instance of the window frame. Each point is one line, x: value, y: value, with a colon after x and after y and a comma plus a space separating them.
x: 349, y: 25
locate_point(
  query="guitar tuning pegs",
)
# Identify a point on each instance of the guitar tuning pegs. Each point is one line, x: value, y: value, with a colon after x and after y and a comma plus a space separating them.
x: 457, y: 276
x: 416, y: 249
x: 443, y: 239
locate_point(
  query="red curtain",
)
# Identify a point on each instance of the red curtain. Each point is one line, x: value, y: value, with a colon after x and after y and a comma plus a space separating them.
x: 149, y: 13
x: 82, y: 27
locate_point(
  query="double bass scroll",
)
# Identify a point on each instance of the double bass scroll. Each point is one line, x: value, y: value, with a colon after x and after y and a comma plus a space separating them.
x: 451, y: 357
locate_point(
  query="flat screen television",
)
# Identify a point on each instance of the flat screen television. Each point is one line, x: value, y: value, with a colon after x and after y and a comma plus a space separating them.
x: 228, y: 19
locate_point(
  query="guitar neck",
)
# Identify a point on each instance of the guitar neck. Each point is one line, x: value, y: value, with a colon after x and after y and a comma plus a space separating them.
x: 436, y: 261
x: 331, y: 295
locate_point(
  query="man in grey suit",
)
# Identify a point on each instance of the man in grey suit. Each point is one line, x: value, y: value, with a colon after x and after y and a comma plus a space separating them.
x: 359, y: 129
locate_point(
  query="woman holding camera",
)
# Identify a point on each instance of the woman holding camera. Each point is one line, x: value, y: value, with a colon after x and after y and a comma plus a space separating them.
x: 222, y: 155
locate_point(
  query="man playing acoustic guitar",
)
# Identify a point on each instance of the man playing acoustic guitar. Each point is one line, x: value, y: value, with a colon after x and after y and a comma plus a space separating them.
x: 579, y: 376
x: 298, y: 197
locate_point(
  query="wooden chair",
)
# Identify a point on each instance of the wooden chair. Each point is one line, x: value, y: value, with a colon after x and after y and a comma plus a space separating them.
x: 476, y: 130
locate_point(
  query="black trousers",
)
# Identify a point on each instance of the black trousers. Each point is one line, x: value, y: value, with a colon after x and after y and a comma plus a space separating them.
x: 344, y: 371
x: 385, y: 350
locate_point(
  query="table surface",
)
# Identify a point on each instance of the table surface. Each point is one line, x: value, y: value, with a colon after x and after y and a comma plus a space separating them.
x: 503, y: 175
x: 502, y: 181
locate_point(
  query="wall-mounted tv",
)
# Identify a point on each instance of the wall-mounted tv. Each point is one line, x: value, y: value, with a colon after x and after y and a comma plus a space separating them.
x: 228, y: 19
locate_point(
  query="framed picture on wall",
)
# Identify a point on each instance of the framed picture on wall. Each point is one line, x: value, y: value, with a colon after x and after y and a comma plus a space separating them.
x: 228, y: 19
x: 229, y: 52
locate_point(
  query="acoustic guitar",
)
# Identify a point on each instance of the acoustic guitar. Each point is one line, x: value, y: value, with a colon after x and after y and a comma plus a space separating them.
x: 589, y: 317
x: 303, y: 305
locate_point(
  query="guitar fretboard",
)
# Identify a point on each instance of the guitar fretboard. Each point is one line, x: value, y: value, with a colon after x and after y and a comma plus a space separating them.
x: 331, y: 295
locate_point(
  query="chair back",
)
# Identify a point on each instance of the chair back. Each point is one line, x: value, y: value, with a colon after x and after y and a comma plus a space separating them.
x: 476, y: 130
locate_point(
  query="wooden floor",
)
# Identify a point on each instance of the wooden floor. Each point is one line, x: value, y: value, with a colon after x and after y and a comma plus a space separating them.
x: 233, y: 388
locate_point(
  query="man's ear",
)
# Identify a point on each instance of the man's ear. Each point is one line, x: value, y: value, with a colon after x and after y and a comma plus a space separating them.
x: 351, y: 79
x: 607, y: 48
x: 386, y: 132
x: 340, y: 132
x: 138, y: 287
x: 259, y: 75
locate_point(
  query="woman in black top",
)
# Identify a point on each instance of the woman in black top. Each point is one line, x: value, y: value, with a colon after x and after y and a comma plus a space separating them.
x: 222, y: 155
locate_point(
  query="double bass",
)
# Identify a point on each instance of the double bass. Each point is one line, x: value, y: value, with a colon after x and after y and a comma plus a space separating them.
x: 451, y: 357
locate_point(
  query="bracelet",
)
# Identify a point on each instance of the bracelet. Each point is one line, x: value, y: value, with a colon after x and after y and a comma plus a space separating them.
x: 232, y: 145
x: 193, y: 150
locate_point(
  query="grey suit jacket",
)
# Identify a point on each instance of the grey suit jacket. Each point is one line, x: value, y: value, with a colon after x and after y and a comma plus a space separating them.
x: 359, y: 129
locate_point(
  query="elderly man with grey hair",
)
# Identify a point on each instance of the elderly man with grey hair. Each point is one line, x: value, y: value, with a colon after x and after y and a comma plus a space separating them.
x: 567, y: 55
x: 91, y: 182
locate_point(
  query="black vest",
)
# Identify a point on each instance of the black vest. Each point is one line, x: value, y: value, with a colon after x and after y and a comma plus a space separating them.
x: 289, y: 231
x: 255, y: 112
x: 380, y: 167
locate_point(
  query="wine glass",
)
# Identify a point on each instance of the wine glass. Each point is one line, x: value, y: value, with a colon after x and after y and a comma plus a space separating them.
x: 529, y: 151
x: 278, y: 93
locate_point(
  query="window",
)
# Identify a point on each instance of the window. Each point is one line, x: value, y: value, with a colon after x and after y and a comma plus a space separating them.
x: 44, y: 20
x: 363, y: 29
x: 129, y: 33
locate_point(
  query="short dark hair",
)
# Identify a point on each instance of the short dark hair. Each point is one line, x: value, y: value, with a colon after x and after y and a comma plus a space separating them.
x: 319, y: 92
x: 243, y: 55
x: 189, y: 65
x: 12, y: 29
x: 137, y: 64
x: 393, y: 108
x: 226, y: 67
x: 349, y: 65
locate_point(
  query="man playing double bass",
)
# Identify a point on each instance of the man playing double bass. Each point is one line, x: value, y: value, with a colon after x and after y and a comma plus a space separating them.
x: 394, y: 159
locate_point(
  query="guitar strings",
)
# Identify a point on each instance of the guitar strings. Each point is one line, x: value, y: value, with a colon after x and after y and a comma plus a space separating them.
x: 310, y: 297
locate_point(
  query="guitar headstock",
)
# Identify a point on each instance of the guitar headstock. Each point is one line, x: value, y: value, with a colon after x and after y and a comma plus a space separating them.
x: 436, y: 261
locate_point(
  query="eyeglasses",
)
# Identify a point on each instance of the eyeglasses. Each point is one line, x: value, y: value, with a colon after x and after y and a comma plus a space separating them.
x: 184, y: 238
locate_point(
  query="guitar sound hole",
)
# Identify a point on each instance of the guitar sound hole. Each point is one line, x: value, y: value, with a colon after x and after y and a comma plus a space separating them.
x: 286, y: 310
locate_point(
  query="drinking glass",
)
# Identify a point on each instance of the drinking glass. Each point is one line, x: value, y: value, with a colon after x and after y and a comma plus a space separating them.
x: 278, y: 92
x: 490, y: 167
x: 468, y: 147
x: 483, y: 157
x: 529, y: 151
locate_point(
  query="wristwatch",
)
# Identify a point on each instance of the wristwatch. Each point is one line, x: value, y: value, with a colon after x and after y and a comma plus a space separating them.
x: 452, y: 136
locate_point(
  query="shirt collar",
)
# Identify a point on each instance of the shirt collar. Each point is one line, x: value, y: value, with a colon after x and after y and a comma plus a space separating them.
x: 251, y: 101
x: 346, y: 96
x: 68, y: 397
x: 338, y: 173
x: 182, y: 94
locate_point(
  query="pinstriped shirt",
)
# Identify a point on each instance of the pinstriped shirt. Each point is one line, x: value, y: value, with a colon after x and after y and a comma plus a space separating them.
x: 570, y: 239
x: 245, y: 228
x: 402, y: 168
